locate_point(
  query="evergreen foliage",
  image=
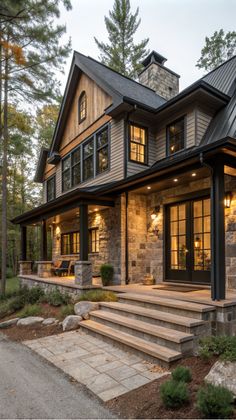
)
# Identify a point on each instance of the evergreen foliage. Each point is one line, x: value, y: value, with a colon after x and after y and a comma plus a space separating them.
x: 121, y: 53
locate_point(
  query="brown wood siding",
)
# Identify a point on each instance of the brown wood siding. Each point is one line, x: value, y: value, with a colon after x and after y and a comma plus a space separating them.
x: 97, y: 102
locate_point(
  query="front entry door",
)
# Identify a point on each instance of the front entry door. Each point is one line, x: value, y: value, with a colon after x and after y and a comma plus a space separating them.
x: 188, y: 241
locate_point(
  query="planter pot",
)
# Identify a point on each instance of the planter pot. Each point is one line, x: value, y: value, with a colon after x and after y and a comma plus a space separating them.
x: 148, y: 280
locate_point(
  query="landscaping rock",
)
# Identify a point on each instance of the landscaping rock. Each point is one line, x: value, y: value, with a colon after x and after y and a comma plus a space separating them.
x: 71, y: 322
x: 50, y: 321
x: 223, y: 374
x: 85, y: 307
x: 30, y: 320
x: 9, y: 322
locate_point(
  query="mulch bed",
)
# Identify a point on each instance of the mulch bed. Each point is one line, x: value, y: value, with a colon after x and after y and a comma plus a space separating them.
x: 31, y: 332
x: 145, y: 402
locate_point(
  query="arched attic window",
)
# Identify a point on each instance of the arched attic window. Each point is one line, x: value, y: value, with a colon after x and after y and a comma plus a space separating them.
x: 82, y: 107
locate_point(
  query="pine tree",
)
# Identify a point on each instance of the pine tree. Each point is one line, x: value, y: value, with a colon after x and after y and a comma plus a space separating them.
x: 121, y: 53
x: 217, y: 49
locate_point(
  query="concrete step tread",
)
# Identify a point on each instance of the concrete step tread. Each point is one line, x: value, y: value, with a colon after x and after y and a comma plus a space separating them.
x: 172, y: 303
x: 155, y: 350
x: 155, y: 330
x: 154, y: 313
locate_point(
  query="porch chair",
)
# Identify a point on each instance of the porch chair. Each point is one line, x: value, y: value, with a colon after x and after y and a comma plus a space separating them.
x: 63, y: 269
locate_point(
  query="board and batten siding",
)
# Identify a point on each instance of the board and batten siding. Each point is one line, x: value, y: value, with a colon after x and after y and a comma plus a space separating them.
x: 116, y: 171
x: 133, y: 167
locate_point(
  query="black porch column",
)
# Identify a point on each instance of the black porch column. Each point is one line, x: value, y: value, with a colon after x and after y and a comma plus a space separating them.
x: 83, y: 232
x: 44, y: 252
x: 218, y: 233
x: 23, y: 243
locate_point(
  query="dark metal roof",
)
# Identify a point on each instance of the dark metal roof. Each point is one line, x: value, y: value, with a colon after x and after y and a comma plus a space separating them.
x: 223, y: 77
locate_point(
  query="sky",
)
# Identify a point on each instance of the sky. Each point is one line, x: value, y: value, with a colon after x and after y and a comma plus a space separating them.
x: 175, y: 28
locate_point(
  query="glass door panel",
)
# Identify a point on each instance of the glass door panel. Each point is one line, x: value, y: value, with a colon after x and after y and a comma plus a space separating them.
x: 201, y: 237
x: 178, y: 237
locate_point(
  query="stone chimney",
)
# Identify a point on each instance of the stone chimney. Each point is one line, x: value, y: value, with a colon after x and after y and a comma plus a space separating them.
x: 155, y: 75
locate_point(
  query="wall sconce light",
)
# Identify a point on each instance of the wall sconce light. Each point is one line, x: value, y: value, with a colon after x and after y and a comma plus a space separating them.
x: 155, y: 212
x: 197, y: 243
x: 227, y: 200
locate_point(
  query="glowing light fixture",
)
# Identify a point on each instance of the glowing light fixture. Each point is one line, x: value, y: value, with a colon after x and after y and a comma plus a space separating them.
x: 197, y: 243
x: 227, y: 200
x: 155, y: 212
x: 194, y: 174
x: 148, y: 188
x: 175, y: 179
x: 96, y: 209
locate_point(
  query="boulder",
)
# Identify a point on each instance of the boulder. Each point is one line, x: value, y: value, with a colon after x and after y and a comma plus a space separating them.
x: 50, y: 321
x: 30, y: 320
x: 71, y: 322
x: 8, y: 323
x: 84, y: 308
x: 223, y: 374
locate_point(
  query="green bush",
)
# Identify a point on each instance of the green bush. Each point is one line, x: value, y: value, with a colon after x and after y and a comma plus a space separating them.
x: 67, y: 310
x: 174, y: 394
x: 215, y: 402
x: 223, y: 346
x: 56, y: 298
x: 106, y: 271
x: 30, y: 310
x: 98, y: 296
x: 17, y: 303
x: 35, y: 294
x: 9, y: 273
x: 4, y: 309
x: 182, y: 374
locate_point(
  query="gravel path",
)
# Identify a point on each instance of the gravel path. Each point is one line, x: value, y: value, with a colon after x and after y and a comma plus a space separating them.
x: 32, y: 388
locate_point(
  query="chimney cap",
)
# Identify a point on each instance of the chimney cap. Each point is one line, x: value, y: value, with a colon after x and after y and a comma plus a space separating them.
x: 154, y: 57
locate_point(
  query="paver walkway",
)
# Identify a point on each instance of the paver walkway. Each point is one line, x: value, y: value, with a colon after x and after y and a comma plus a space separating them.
x: 104, y: 369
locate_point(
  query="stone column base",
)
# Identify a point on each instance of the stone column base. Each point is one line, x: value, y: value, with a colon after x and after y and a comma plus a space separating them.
x: 25, y: 267
x: 44, y: 268
x: 83, y: 273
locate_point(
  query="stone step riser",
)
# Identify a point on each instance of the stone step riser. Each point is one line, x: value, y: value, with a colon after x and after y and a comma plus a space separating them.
x: 186, y: 347
x: 197, y: 330
x: 125, y: 347
x: 205, y: 316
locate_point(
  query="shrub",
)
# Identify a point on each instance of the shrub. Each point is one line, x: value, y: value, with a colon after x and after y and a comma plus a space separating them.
x: 67, y: 310
x: 56, y: 298
x: 17, y: 303
x: 98, y: 296
x: 4, y: 309
x: 9, y: 273
x: 30, y: 310
x: 223, y: 346
x: 33, y: 295
x: 182, y: 374
x: 107, y: 272
x: 174, y: 394
x: 215, y: 402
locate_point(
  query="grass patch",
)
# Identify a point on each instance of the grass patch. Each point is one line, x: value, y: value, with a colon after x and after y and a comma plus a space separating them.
x: 66, y: 311
x: 98, y: 296
x: 12, y: 285
x: 30, y: 310
x: 222, y: 346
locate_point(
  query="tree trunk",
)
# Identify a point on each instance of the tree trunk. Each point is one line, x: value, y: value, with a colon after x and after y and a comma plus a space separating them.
x: 4, y: 178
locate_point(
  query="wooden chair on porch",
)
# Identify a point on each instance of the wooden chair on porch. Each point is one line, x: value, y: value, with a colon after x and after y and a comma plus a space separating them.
x: 63, y: 269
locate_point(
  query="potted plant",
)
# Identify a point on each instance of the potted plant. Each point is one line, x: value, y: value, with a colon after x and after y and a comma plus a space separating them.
x: 106, y: 271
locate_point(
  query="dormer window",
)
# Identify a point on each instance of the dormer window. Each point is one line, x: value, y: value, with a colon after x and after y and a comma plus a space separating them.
x: 176, y: 136
x: 82, y: 107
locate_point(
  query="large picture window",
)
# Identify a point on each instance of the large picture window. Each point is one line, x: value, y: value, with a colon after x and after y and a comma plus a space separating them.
x: 137, y: 144
x: 102, y: 151
x: 82, y: 107
x: 66, y: 174
x: 70, y: 243
x: 51, y: 188
x: 93, y: 240
x: 176, y: 136
x: 88, y: 156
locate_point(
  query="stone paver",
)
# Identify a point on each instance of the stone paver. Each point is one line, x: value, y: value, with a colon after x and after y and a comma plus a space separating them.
x: 106, y: 370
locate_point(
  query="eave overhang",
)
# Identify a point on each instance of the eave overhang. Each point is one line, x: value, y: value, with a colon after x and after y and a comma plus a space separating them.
x: 41, y: 165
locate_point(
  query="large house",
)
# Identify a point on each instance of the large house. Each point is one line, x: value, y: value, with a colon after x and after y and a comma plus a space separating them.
x: 142, y: 177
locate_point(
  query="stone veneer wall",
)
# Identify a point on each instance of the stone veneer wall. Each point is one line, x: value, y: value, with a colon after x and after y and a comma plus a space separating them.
x: 162, y: 80
x: 109, y: 224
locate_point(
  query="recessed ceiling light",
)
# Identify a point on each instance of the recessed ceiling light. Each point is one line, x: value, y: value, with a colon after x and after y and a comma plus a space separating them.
x: 96, y: 209
x: 175, y: 179
x: 148, y: 188
x: 194, y: 174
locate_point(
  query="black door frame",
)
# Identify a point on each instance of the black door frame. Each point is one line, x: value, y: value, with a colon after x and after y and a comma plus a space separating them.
x: 185, y: 276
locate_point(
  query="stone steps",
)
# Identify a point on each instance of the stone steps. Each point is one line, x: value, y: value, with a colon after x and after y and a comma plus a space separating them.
x: 172, y: 339
x: 153, y: 316
x: 173, y: 306
x: 152, y: 351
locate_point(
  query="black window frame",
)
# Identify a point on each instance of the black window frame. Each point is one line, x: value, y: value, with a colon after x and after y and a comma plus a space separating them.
x: 82, y: 99
x: 70, y: 234
x: 96, y: 230
x: 73, y: 165
x: 91, y: 139
x: 63, y: 171
x: 142, y: 127
x: 182, y: 118
x: 104, y: 146
x: 52, y: 178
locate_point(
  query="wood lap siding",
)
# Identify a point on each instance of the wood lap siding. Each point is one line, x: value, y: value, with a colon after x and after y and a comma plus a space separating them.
x: 203, y: 120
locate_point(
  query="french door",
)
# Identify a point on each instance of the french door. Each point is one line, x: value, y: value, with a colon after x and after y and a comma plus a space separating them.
x: 188, y: 241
